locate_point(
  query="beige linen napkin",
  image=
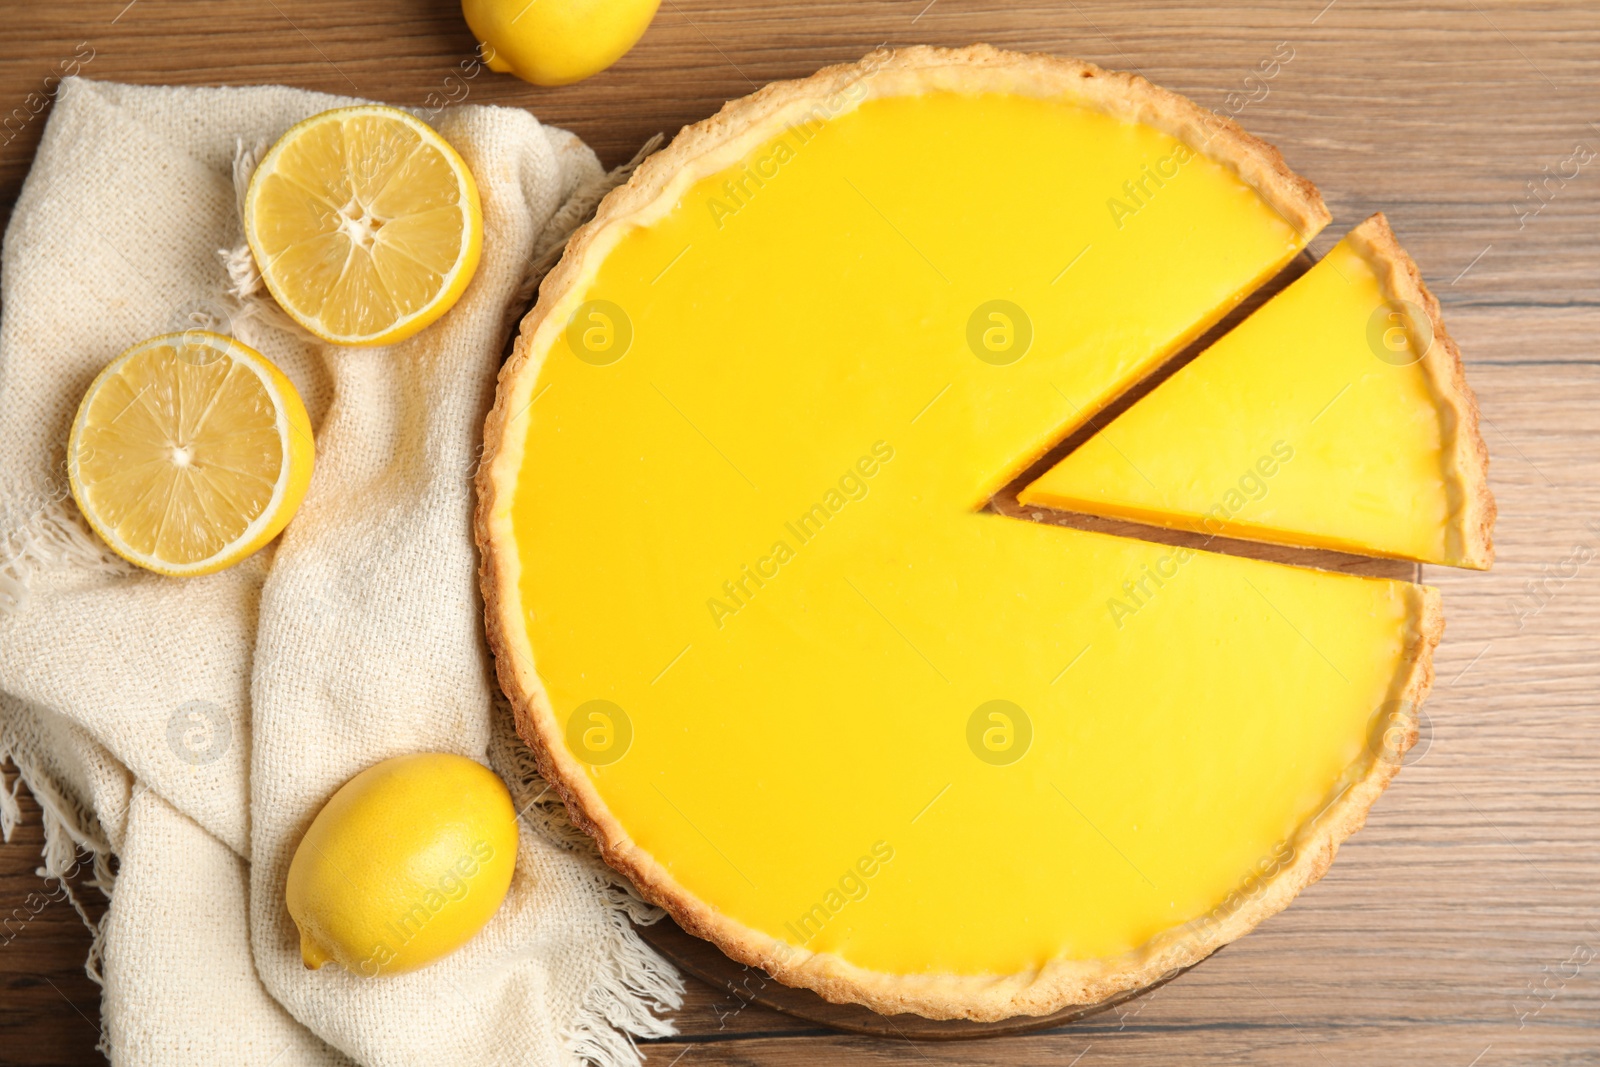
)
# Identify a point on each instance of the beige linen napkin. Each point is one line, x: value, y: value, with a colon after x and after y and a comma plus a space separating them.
x: 193, y: 727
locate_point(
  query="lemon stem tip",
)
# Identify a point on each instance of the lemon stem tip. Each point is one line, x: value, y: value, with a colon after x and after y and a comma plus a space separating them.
x: 311, y: 953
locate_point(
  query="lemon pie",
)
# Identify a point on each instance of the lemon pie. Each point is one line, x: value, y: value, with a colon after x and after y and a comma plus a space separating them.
x: 782, y: 667
x: 1337, y: 416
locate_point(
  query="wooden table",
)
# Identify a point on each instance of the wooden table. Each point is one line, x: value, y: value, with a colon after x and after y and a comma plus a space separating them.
x: 1453, y: 930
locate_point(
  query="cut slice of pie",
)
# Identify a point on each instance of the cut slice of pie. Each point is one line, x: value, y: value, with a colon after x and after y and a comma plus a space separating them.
x: 1337, y: 416
x: 760, y: 637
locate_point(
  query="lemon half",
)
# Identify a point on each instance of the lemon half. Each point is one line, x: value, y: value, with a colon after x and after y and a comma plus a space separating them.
x: 189, y: 452
x: 365, y: 224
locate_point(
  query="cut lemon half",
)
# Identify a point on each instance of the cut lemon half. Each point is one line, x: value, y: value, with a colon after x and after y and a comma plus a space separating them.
x: 365, y: 224
x: 189, y: 452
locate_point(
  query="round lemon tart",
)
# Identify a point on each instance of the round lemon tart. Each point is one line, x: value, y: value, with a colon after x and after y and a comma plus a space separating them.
x: 763, y: 636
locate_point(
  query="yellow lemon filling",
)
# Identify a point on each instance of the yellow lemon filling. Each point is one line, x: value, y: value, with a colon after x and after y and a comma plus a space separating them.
x: 1316, y: 422
x: 832, y: 700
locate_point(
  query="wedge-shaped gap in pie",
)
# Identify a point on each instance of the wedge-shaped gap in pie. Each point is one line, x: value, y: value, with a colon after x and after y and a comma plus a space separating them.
x: 1337, y: 416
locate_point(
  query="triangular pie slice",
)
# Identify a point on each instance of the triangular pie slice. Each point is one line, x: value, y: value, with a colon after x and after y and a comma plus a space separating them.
x: 1336, y: 416
x: 762, y: 640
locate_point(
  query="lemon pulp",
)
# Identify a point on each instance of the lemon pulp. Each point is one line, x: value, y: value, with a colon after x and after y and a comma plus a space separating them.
x: 189, y: 452
x: 365, y: 223
x: 765, y: 432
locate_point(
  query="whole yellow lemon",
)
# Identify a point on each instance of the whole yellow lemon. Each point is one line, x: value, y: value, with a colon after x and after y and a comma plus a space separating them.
x: 403, y: 865
x: 556, y: 42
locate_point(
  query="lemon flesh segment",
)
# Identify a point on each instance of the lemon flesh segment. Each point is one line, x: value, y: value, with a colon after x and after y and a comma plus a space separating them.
x: 1299, y: 427
x: 365, y: 224
x: 403, y: 865
x: 800, y: 614
x: 189, y: 452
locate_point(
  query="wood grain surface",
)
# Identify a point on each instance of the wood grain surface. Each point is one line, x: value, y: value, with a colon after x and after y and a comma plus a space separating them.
x: 1462, y: 927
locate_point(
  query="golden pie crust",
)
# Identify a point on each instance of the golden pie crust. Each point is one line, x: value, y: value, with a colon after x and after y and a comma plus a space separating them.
x: 1466, y: 457
x: 707, y: 148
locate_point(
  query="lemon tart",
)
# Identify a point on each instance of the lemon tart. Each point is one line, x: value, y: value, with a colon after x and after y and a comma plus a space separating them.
x: 1337, y: 416
x: 780, y: 665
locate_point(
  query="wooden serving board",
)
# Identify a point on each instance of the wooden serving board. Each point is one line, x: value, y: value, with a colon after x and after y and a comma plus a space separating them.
x: 746, y: 985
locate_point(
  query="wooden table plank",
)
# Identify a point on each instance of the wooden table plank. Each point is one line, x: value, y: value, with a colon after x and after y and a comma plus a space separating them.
x: 1442, y: 935
x: 49, y: 1010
